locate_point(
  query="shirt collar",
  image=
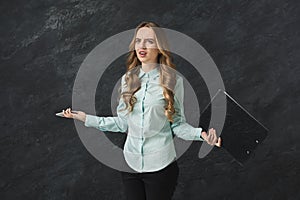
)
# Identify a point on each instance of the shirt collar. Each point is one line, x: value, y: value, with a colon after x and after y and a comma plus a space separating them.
x: 154, y: 72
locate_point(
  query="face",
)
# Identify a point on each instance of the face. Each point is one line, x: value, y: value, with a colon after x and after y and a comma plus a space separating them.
x: 145, y: 46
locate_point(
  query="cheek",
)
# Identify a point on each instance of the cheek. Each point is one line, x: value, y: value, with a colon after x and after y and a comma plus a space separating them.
x: 154, y: 52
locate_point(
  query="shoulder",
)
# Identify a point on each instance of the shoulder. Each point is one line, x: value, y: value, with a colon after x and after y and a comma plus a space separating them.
x: 179, y: 77
x: 123, y: 83
x: 179, y: 81
x: 123, y: 79
x: 179, y: 89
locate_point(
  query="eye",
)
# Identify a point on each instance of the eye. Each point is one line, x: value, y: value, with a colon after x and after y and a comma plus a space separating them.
x: 137, y: 40
x: 151, y: 41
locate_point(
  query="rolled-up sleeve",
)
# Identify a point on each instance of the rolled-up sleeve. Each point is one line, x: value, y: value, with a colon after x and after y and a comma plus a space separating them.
x: 179, y: 126
x: 113, y: 124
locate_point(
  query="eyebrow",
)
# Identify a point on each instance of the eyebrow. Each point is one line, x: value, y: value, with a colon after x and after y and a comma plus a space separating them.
x: 145, y: 38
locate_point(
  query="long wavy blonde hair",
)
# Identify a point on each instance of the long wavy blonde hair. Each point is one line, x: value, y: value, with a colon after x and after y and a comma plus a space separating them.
x: 167, y: 71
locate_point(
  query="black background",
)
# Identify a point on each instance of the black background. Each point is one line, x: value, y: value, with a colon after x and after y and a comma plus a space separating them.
x: 255, y: 45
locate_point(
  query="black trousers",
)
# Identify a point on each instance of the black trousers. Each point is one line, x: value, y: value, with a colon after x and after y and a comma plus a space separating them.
x: 159, y: 185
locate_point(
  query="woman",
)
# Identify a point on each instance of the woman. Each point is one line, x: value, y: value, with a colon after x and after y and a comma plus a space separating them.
x: 150, y: 110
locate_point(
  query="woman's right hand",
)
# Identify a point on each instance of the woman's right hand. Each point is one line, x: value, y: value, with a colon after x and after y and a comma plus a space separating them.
x: 79, y: 115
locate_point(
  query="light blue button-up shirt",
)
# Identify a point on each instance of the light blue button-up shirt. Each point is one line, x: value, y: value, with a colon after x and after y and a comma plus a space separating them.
x: 149, y: 144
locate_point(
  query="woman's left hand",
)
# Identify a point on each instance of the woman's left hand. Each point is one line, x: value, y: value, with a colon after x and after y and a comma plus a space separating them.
x: 211, y: 138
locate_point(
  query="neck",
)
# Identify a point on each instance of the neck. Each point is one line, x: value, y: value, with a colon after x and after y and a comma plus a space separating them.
x: 148, y: 67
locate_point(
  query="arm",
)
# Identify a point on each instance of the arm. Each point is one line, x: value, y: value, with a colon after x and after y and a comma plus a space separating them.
x: 180, y: 127
x: 114, y: 124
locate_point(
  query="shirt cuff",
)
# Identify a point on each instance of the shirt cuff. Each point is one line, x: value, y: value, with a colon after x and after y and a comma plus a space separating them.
x: 91, y: 121
x: 198, y: 134
x: 201, y: 134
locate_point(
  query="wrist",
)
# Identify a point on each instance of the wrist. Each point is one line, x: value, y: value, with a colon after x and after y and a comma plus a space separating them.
x: 203, y: 131
x: 84, y: 118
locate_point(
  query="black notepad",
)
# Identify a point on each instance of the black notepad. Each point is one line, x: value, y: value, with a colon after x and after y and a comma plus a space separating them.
x: 241, y: 133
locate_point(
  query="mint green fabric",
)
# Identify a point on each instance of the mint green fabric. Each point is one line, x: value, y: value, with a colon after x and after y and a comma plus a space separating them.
x: 149, y: 144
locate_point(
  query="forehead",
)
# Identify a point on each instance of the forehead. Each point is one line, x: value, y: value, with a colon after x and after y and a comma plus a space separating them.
x: 145, y: 32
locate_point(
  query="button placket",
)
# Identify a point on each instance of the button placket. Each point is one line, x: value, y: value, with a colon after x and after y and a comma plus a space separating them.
x: 143, y: 115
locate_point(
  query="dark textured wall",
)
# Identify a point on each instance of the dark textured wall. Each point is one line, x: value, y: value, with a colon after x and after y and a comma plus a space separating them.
x: 255, y: 45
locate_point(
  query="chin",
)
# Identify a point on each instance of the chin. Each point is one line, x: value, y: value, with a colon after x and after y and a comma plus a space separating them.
x: 142, y: 59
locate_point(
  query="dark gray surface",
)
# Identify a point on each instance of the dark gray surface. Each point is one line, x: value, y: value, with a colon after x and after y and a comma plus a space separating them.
x: 255, y: 44
x: 241, y: 132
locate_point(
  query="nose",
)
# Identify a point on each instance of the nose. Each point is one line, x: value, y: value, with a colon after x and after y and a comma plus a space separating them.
x: 142, y: 44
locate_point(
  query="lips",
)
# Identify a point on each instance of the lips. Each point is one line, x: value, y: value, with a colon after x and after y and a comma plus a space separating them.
x: 142, y: 53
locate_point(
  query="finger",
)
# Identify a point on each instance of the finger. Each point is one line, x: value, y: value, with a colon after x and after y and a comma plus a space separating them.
x: 218, y: 144
x: 67, y: 114
x: 211, y: 136
x: 210, y: 133
x: 215, y: 137
x: 204, y: 135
